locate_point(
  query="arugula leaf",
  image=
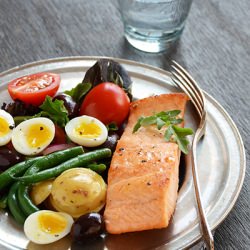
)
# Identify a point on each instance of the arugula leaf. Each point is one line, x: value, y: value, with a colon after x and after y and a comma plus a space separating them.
x: 178, y: 134
x: 79, y: 91
x: 138, y: 124
x: 168, y: 133
x: 173, y: 113
x: 148, y: 120
x: 176, y: 121
x: 183, y: 131
x: 55, y: 110
x: 173, y: 132
x: 169, y: 117
x: 160, y: 123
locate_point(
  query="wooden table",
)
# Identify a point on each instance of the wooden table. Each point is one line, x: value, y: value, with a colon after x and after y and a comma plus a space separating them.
x: 214, y: 48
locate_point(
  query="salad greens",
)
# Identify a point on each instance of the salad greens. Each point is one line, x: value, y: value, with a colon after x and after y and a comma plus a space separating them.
x: 55, y: 110
x: 112, y: 127
x: 19, y: 108
x: 172, y: 133
x: 106, y: 70
x: 79, y: 91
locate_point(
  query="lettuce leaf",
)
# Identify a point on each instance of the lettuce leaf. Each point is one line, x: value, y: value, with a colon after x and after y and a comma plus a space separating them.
x: 19, y: 108
x: 79, y: 91
x: 107, y: 70
x: 54, y: 110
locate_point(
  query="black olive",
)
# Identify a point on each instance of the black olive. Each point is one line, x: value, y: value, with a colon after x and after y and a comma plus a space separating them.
x: 111, y: 141
x: 87, y: 226
x: 69, y: 104
x: 8, y: 157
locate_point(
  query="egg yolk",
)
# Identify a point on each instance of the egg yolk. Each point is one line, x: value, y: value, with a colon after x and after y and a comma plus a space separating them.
x: 4, y: 127
x: 51, y: 223
x: 37, y: 135
x: 88, y: 130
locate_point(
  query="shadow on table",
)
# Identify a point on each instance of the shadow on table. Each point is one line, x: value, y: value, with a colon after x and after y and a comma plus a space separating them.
x: 160, y: 59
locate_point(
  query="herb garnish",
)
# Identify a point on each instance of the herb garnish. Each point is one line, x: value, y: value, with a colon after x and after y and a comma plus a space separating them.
x: 55, y: 110
x: 170, y: 120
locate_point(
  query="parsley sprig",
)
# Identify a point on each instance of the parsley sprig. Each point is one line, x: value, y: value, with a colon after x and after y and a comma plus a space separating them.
x: 170, y: 120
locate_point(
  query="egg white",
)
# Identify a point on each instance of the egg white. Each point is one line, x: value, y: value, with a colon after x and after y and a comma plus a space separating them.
x: 86, y: 140
x: 5, y: 138
x: 36, y: 234
x: 20, y: 135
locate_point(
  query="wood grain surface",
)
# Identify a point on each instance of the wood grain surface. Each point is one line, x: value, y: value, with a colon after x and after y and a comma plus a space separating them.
x: 214, y: 48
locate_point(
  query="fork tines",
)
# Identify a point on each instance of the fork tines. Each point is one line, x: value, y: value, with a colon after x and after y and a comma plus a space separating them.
x: 184, y: 81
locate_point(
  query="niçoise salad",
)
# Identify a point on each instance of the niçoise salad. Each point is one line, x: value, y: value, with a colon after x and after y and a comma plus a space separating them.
x: 55, y: 149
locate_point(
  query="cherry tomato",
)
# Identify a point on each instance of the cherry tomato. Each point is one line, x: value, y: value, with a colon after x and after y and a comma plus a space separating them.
x: 106, y: 102
x: 32, y: 89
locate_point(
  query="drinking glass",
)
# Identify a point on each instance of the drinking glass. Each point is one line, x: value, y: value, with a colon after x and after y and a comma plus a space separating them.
x: 153, y: 25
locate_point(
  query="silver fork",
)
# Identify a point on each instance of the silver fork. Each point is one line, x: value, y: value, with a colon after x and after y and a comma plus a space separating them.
x: 188, y: 85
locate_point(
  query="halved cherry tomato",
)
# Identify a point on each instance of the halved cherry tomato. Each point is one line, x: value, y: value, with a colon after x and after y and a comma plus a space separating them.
x: 106, y: 102
x: 33, y: 89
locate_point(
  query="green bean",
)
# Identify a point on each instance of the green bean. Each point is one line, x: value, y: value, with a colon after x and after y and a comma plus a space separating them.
x: 13, y: 204
x: 47, y: 161
x: 97, y: 167
x: 19, y: 119
x: 3, y: 201
x: 79, y: 161
x: 53, y: 159
x: 18, y: 169
x: 24, y: 200
x: 26, y: 204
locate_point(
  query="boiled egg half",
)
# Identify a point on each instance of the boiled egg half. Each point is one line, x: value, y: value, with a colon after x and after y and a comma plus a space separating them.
x: 7, y: 125
x: 32, y: 136
x: 86, y: 131
x: 45, y: 226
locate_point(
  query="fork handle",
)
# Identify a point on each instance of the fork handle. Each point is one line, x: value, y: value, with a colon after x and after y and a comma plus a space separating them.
x: 207, y: 235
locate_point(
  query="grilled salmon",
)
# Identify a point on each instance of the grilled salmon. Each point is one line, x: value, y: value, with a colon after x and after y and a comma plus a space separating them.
x: 143, y: 175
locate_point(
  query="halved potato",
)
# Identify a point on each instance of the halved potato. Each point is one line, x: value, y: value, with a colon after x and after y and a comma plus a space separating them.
x: 41, y: 191
x: 78, y: 191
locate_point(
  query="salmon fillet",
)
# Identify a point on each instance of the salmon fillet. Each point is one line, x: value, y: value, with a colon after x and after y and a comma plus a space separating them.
x: 143, y: 175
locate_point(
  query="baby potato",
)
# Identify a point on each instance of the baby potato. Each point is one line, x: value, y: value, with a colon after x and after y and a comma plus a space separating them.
x: 41, y: 191
x: 78, y: 191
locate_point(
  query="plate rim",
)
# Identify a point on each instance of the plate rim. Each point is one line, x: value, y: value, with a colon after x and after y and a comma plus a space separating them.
x: 230, y: 121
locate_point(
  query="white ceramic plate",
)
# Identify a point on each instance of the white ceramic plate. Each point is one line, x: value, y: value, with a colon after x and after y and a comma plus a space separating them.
x: 221, y: 162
